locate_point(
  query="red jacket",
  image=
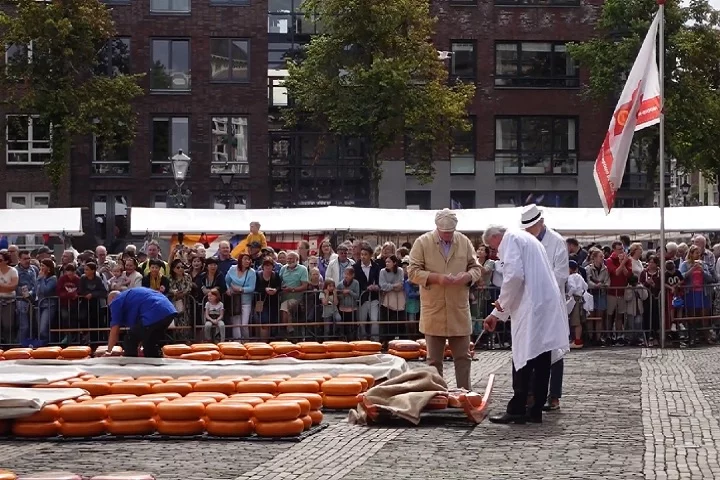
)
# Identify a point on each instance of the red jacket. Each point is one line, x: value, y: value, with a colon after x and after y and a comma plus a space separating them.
x: 67, y: 289
x: 618, y: 279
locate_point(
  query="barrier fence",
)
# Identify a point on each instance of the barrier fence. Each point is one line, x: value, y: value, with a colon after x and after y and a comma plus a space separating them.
x: 619, y: 316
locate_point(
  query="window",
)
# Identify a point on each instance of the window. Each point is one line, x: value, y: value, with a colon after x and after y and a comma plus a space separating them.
x: 229, y: 202
x: 535, y: 65
x: 28, y: 140
x: 229, y: 59
x: 171, y: 65
x: 462, y: 157
x: 536, y: 145
x: 111, y: 217
x: 18, y: 54
x: 115, y: 162
x: 539, y: 3
x: 463, y: 60
x: 16, y: 200
x: 546, y: 199
x: 160, y: 200
x: 229, y: 144
x: 417, y: 200
x: 170, y: 6
x: 462, y: 199
x: 169, y: 134
x: 114, y: 58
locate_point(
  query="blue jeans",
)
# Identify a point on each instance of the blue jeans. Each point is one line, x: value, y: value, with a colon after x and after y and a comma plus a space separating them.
x: 556, y: 379
x: 46, y: 316
x: 22, y: 317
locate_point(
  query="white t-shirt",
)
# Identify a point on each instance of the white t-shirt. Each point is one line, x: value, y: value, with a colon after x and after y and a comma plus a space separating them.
x: 214, y: 311
x: 8, y: 278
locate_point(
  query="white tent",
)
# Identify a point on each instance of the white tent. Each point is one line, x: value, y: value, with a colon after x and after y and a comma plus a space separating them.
x: 29, y: 221
x: 575, y: 221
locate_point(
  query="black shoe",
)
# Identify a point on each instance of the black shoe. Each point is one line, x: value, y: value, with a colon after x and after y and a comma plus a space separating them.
x: 506, y: 418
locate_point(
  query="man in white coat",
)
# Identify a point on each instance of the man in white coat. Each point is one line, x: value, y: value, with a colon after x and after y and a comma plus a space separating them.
x: 540, y: 332
x: 532, y: 221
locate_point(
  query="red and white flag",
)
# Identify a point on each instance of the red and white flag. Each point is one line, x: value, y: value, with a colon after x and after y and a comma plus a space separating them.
x: 639, y: 107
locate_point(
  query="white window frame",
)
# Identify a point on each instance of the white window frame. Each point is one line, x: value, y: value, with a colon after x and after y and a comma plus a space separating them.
x: 30, y: 150
x: 30, y: 197
x: 221, y: 158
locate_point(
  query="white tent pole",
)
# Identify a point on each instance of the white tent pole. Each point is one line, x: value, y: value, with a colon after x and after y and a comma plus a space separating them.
x: 661, y: 158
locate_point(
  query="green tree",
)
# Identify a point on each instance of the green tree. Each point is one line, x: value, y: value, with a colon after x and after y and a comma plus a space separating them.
x: 692, y: 77
x: 52, y: 75
x: 375, y: 74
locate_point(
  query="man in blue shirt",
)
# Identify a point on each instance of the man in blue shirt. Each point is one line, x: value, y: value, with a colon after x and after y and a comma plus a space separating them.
x: 147, y: 314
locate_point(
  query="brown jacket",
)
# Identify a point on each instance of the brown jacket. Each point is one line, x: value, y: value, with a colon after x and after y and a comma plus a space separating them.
x: 444, y: 310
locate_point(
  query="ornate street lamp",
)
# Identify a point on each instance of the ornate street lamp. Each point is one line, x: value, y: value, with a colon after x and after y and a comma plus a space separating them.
x: 685, y: 190
x: 180, y: 166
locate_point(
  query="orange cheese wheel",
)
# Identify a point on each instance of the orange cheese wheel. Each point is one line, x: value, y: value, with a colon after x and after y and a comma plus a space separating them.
x: 288, y: 428
x: 261, y: 395
x: 193, y: 378
x: 341, y: 355
x: 211, y: 394
x: 368, y: 378
x: 34, y: 429
x: 166, y: 395
x: 340, y: 402
x: 83, y: 429
x: 172, y: 387
x: 258, y: 358
x: 360, y: 353
x: 181, y: 427
x: 313, y: 356
x: 259, y: 350
x: 189, y: 410
x: 276, y: 411
x: 294, y: 386
x: 145, y: 398
x: 131, y: 411
x: 404, y: 345
x: 307, y: 422
x: 366, y: 346
x: 362, y: 381
x: 176, y: 350
x: 342, y: 386
x: 145, y: 426
x: 105, y: 401
x: 275, y: 377
x: 229, y: 412
x: 116, y: 396
x: 117, y: 377
x: 83, y: 398
x: 83, y: 412
x: 234, y: 378
x: 338, y: 346
x: 284, y: 349
x: 134, y: 388
x: 319, y: 379
x: 312, y: 347
x: 74, y: 380
x: 406, y: 355
x: 229, y: 429
x: 235, y: 357
x: 222, y: 386
x: 246, y: 400
x: 47, y: 414
x: 46, y: 353
x: 257, y: 386
x: 7, y: 475
x: 87, y: 376
x: 18, y: 354
x: 162, y: 378
x: 304, y: 403
x: 94, y: 387
x: 237, y: 350
x: 204, y: 347
x: 75, y: 352
x: 204, y: 399
x: 325, y: 376
x: 438, y: 402
x: 204, y: 356
x: 315, y: 399
x: 316, y: 416
x: 216, y: 355
x: 67, y: 402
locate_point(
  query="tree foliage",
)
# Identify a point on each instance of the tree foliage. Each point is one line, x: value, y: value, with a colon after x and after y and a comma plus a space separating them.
x: 692, y: 75
x: 52, y: 75
x: 375, y: 74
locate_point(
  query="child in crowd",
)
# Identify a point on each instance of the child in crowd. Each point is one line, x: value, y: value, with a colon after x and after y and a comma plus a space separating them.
x: 673, y: 281
x: 635, y: 296
x: 576, y: 288
x: 412, y: 295
x: 256, y: 235
x: 330, y: 312
x: 348, y: 294
x: 118, y: 281
x: 214, y: 310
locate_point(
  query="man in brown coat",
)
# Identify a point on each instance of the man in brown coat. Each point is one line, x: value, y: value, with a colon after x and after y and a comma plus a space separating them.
x: 444, y: 265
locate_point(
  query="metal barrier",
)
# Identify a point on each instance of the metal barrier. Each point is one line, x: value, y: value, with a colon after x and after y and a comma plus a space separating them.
x: 620, y: 316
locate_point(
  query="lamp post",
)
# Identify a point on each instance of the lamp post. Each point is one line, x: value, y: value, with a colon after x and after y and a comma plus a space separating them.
x: 180, y: 166
x: 226, y: 177
x: 685, y: 190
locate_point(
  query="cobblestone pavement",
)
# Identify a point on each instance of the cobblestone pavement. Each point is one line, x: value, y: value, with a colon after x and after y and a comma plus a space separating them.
x: 626, y: 414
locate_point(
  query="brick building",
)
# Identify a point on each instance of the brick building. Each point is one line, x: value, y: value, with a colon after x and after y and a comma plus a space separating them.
x: 214, y: 70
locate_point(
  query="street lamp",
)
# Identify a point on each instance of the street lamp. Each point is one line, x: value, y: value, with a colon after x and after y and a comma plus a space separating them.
x: 685, y: 190
x: 180, y: 166
x: 226, y: 175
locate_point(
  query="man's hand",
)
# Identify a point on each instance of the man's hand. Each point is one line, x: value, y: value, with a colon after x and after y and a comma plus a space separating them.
x: 490, y: 323
x: 108, y: 352
x: 461, y: 279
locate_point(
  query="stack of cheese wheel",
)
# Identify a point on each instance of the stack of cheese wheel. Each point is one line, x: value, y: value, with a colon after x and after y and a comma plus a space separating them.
x: 18, y: 354
x: 312, y: 351
x: 7, y: 475
x: 117, y: 351
x: 133, y: 387
x: 182, y: 417
x: 176, y: 350
x: 285, y: 348
x: 124, y: 476
x: 369, y: 380
x: 339, y: 349
x: 75, y: 353
x: 407, y: 349
x: 225, y: 387
x: 342, y: 393
x: 46, y: 353
x: 259, y: 351
x: 276, y: 418
x: 229, y: 418
x: 86, y: 419
x: 366, y: 347
x: 423, y: 347
x: 132, y: 417
x: 233, y: 351
x: 43, y: 423
x: 315, y: 403
x: 173, y: 386
x: 95, y: 387
x: 438, y: 402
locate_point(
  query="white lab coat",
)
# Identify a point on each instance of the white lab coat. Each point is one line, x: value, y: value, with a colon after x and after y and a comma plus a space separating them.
x: 530, y: 296
x: 557, y: 253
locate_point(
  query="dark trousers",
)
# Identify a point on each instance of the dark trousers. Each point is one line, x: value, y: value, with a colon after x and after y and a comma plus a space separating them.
x: 150, y: 336
x: 556, y: 379
x: 539, y: 368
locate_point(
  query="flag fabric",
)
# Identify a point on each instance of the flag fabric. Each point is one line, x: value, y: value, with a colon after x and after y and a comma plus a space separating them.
x: 639, y: 107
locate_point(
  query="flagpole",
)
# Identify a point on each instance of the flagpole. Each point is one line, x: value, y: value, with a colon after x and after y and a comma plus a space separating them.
x: 661, y: 158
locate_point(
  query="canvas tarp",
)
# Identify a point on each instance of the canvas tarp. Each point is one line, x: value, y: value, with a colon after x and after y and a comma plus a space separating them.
x: 21, y: 402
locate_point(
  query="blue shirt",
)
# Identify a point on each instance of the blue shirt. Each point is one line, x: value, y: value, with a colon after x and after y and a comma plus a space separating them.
x: 141, y: 305
x: 541, y: 235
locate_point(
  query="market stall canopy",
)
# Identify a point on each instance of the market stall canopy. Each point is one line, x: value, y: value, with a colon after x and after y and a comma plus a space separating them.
x: 576, y: 221
x: 28, y: 221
